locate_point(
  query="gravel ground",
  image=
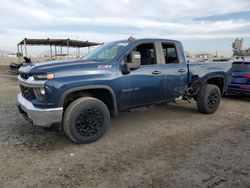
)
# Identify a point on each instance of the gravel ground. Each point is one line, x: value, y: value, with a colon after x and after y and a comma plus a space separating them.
x: 165, y: 146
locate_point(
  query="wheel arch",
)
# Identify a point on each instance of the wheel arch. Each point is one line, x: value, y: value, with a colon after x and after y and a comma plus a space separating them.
x: 102, y: 92
x: 218, y: 81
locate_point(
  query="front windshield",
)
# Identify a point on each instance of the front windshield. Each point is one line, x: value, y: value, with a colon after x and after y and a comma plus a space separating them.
x: 106, y: 52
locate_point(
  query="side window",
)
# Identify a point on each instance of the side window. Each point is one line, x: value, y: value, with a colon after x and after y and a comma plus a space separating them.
x: 148, y: 56
x: 147, y: 51
x: 170, y: 53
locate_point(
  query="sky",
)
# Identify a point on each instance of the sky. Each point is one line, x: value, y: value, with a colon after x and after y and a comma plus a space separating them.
x: 203, y: 26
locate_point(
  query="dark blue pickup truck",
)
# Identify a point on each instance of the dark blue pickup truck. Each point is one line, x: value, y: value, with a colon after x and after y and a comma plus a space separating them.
x: 80, y: 96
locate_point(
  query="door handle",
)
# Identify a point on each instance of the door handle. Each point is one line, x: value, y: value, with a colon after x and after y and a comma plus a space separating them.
x: 181, y: 70
x: 156, y: 72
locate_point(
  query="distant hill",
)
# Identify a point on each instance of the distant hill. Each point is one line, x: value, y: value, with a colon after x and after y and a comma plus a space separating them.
x: 5, y: 52
x: 47, y: 52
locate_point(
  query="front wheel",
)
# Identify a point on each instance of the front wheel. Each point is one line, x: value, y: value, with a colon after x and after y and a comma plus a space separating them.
x: 208, y: 98
x: 85, y: 120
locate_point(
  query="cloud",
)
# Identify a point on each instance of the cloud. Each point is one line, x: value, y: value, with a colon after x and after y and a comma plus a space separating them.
x: 245, y: 15
x: 108, y: 20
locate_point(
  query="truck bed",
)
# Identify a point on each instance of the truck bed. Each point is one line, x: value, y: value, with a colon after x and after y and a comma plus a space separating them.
x: 204, y: 70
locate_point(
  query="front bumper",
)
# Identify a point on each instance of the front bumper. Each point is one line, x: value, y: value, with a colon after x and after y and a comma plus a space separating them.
x: 43, y: 117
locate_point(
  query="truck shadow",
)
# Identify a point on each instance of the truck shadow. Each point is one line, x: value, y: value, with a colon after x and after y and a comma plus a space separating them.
x: 185, y: 107
x: 169, y: 108
x: 35, y: 139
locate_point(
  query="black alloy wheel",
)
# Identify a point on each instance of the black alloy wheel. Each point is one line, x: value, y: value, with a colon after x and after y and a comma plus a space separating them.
x: 86, y: 120
x: 212, y: 99
x: 208, y: 98
x: 89, y: 122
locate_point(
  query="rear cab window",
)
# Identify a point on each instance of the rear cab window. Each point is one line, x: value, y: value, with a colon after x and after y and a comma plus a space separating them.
x: 170, y: 53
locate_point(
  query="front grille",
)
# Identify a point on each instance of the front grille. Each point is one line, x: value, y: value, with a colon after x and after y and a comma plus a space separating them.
x: 24, y: 75
x: 27, y: 93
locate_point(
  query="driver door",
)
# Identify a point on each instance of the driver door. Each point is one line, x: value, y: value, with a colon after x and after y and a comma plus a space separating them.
x: 143, y: 85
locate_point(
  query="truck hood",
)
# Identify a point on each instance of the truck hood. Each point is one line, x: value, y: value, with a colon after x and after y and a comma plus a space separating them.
x: 55, y: 66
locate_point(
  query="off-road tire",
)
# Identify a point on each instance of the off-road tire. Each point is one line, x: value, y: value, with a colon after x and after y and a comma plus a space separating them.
x: 208, y: 98
x: 79, y: 111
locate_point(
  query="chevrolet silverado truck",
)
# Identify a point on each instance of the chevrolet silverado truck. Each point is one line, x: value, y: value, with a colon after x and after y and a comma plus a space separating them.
x: 80, y: 96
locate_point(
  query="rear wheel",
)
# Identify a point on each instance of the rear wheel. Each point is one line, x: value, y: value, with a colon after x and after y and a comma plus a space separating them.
x: 208, y: 98
x: 85, y: 120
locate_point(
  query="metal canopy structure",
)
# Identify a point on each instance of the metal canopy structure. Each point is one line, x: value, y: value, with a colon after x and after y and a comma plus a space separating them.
x: 56, y: 43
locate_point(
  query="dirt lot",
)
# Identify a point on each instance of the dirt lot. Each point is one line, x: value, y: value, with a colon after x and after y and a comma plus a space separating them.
x: 165, y: 146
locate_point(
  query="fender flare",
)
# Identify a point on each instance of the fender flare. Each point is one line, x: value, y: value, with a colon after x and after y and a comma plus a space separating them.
x: 201, y: 81
x: 82, y: 88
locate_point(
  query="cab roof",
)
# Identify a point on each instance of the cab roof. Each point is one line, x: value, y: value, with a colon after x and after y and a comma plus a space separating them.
x: 147, y: 40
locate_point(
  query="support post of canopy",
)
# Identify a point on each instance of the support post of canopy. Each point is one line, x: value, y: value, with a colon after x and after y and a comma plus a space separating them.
x: 78, y: 53
x: 21, y: 49
x: 25, y: 47
x: 50, y: 52
x: 18, y: 54
x: 68, y: 48
x: 55, y: 53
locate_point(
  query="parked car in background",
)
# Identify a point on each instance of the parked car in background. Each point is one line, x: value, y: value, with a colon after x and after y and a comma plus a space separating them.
x: 15, y: 66
x: 240, y: 77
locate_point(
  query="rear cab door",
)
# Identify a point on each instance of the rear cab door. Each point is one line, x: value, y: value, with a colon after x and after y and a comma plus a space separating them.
x: 173, y: 68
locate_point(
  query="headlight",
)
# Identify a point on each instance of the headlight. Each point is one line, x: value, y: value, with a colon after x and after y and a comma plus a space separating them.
x: 44, y: 76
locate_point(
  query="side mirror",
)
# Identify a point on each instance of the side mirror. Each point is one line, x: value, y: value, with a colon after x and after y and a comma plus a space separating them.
x: 134, y: 64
